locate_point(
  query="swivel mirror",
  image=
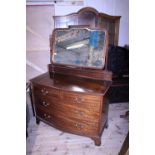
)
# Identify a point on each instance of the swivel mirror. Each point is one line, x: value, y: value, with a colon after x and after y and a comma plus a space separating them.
x: 81, y: 47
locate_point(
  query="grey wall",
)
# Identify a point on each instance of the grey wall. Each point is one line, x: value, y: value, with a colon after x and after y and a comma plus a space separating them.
x: 39, y: 26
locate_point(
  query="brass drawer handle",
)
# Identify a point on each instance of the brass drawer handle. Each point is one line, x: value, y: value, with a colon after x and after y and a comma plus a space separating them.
x: 44, y: 91
x: 45, y: 104
x: 81, y: 113
x: 78, y: 100
x: 47, y: 116
x: 79, y: 126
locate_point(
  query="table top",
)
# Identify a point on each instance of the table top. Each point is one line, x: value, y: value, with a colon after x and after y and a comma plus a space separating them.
x: 73, y: 84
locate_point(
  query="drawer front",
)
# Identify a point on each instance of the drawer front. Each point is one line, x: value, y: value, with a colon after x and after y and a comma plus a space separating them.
x: 43, y: 113
x: 78, y: 126
x: 90, y: 102
x: 75, y: 113
x: 70, y: 111
x: 46, y: 102
x: 45, y: 91
x: 67, y: 124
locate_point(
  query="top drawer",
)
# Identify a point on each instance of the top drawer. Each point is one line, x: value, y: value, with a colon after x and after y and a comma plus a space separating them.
x: 81, y: 99
x: 40, y: 90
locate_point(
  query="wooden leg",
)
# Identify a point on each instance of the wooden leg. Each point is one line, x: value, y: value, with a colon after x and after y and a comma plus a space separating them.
x: 97, y: 141
x: 32, y: 104
x: 37, y: 120
x: 106, y: 124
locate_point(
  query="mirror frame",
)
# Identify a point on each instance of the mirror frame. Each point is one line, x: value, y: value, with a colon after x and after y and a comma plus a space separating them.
x: 52, y: 45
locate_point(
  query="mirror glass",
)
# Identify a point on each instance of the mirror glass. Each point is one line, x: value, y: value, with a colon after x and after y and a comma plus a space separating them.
x: 80, y: 47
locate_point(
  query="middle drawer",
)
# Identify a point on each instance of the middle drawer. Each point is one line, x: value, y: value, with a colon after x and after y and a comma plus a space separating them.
x: 71, y: 111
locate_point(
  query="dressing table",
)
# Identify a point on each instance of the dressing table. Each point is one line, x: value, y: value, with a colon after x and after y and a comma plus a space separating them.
x: 72, y: 96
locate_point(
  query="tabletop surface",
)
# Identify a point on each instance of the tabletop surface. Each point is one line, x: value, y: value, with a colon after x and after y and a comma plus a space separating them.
x: 72, y: 83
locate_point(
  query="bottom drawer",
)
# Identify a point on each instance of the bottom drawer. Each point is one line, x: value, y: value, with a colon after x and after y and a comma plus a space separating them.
x: 67, y: 124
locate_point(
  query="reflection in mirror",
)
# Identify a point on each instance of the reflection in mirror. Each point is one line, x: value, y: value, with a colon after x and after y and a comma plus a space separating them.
x: 80, y: 47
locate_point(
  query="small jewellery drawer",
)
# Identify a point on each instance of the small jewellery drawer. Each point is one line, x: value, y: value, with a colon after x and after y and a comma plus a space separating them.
x: 91, y: 102
x: 46, y: 91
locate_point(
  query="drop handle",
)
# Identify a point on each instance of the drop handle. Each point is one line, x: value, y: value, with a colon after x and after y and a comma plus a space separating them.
x: 47, y: 116
x: 78, y: 100
x: 79, y: 126
x: 79, y: 112
x: 45, y: 104
x: 44, y: 91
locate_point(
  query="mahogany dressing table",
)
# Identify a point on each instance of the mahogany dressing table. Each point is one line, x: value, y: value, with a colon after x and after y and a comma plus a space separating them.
x: 72, y: 96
